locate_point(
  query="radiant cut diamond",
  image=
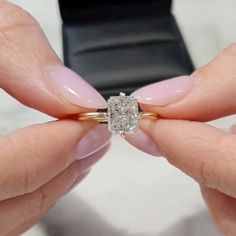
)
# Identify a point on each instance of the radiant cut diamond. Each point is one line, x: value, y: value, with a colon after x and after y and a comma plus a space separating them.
x: 122, y: 114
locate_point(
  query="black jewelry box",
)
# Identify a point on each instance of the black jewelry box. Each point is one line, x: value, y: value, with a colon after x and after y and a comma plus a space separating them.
x: 119, y: 46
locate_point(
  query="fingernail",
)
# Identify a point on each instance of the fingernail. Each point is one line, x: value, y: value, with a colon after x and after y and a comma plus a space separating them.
x: 143, y: 142
x: 92, y: 141
x: 77, y: 181
x: 73, y: 88
x: 164, y: 92
x: 87, y: 163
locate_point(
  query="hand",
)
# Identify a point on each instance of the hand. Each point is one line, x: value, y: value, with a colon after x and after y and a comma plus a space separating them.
x: 40, y: 163
x: 201, y: 151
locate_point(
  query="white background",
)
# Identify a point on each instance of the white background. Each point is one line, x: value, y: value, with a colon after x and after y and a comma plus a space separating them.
x: 129, y: 193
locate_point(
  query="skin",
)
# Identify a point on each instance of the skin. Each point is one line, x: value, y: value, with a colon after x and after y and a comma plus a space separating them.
x: 203, y: 152
x: 36, y: 163
x: 33, y: 178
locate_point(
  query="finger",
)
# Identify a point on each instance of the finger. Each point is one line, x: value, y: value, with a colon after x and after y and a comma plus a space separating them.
x: 207, y: 94
x: 222, y: 208
x: 233, y: 129
x: 26, y: 225
x: 35, y: 219
x: 32, y: 156
x: 32, y: 73
x: 201, y: 151
x: 16, y: 211
x: 143, y: 142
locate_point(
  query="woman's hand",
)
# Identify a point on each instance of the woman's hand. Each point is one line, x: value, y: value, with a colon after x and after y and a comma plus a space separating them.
x: 201, y: 151
x: 40, y: 163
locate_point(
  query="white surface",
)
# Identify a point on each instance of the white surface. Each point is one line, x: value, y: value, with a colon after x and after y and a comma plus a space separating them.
x: 129, y: 193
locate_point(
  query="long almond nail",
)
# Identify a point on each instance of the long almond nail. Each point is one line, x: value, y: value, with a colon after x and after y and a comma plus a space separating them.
x: 143, y: 142
x: 87, y: 163
x: 164, y: 92
x: 92, y: 141
x: 73, y: 88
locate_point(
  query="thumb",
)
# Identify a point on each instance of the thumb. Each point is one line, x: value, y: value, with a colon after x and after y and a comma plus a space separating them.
x: 209, y: 93
x: 32, y: 73
x: 201, y: 151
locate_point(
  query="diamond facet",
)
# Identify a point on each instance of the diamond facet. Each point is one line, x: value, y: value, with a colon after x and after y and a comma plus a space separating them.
x: 122, y: 114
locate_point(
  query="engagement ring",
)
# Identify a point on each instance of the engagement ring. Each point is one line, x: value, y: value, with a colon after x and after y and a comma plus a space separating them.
x: 122, y: 114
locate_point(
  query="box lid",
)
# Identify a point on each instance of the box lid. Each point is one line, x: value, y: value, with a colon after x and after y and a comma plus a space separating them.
x: 93, y: 11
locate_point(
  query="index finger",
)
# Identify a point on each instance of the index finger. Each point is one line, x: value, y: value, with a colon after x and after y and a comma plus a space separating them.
x: 31, y: 71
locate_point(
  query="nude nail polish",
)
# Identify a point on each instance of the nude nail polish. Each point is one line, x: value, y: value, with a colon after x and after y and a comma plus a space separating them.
x: 85, y: 164
x: 91, y: 142
x: 164, y: 92
x: 143, y: 142
x: 73, y: 88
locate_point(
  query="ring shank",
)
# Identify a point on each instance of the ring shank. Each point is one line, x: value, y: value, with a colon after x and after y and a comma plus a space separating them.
x: 148, y: 115
x: 102, y: 117
x: 97, y: 116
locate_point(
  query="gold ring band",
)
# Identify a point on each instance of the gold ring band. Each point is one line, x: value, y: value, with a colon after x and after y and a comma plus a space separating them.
x: 98, y: 116
x: 103, y: 117
x: 122, y: 114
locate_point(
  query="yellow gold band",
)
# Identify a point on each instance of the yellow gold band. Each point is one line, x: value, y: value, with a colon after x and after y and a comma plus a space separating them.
x: 103, y: 116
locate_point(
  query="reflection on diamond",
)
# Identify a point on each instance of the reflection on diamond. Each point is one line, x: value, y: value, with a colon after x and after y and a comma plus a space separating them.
x: 123, y: 114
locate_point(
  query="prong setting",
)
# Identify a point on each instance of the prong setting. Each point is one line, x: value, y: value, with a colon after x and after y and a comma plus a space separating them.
x: 122, y: 114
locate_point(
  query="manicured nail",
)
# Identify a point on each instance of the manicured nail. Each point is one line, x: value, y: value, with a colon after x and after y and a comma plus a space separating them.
x: 87, y: 163
x: 143, y: 142
x: 164, y: 92
x: 73, y: 88
x: 92, y: 141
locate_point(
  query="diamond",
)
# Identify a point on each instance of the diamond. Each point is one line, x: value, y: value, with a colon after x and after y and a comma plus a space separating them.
x: 122, y: 114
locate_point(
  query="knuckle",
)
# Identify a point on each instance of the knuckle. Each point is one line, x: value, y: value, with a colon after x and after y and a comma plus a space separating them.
x: 44, y: 200
x: 209, y: 174
x: 44, y: 197
x: 205, y: 168
x: 38, y: 202
x: 213, y: 164
x: 227, y: 150
x: 29, y: 175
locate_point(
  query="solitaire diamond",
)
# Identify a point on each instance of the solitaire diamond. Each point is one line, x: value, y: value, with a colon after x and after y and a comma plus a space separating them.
x: 122, y: 114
